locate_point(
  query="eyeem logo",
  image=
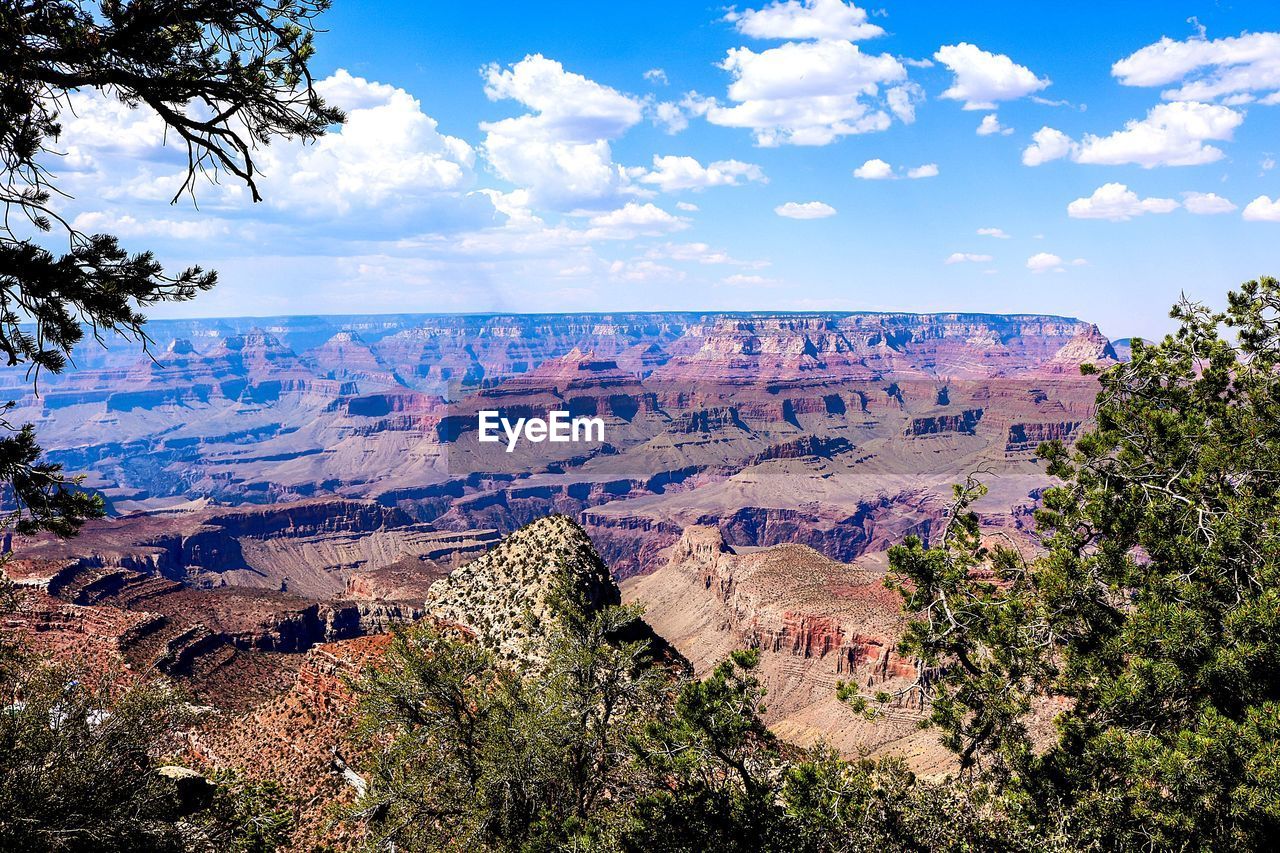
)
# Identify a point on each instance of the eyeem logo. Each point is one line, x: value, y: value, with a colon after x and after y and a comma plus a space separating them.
x: 558, y: 427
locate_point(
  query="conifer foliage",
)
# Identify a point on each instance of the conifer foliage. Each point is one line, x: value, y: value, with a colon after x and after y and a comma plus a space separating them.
x: 1149, y: 627
x: 225, y: 76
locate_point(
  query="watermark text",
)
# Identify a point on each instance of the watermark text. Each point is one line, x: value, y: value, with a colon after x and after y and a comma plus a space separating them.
x: 557, y: 427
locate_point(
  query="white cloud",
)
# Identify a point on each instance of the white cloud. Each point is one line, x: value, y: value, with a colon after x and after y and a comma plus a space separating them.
x: 805, y: 210
x: 1047, y: 144
x: 741, y: 280
x: 566, y: 104
x: 967, y: 257
x: 1044, y: 262
x: 1117, y: 203
x: 878, y: 170
x: 656, y: 75
x: 991, y: 125
x: 983, y: 78
x: 874, y: 170
x: 1262, y: 209
x: 669, y: 116
x: 388, y: 153
x: 671, y: 173
x: 126, y: 225
x: 526, y: 234
x: 998, y: 233
x: 98, y: 122
x: 699, y: 253
x: 634, y: 219
x: 388, y: 161
x: 644, y: 271
x: 1171, y: 135
x: 560, y: 150
x: 686, y: 206
x: 811, y: 93
x: 805, y: 19
x: 902, y: 100
x: 1205, y: 70
x: 1206, y: 203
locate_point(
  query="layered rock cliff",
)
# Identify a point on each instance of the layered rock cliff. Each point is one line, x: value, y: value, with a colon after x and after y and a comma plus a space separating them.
x: 816, y: 621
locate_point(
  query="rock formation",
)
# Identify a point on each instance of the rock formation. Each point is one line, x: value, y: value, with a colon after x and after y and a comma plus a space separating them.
x: 509, y: 597
x: 815, y: 621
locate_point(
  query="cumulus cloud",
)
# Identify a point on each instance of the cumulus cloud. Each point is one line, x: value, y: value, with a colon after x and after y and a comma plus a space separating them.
x: 1047, y: 144
x: 656, y: 75
x: 388, y: 160
x: 990, y: 125
x: 983, y: 78
x: 1173, y: 134
x: 805, y: 210
x: 1205, y: 69
x: 560, y: 149
x: 686, y: 206
x: 671, y: 173
x: 1117, y: 203
x: 1262, y: 209
x: 1206, y: 203
x: 878, y: 170
x: 811, y: 93
x: 967, y: 257
x: 998, y: 233
x: 96, y: 123
x: 669, y: 116
x: 634, y: 219
x: 805, y: 19
x: 874, y: 170
x: 1047, y: 262
x: 389, y: 152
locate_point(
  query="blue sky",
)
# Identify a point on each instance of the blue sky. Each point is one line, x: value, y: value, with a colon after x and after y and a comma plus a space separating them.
x: 577, y: 156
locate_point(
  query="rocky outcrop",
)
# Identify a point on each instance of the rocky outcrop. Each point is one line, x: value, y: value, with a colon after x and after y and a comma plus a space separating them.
x: 510, y: 597
x: 506, y: 596
x: 1029, y: 436
x: 965, y: 423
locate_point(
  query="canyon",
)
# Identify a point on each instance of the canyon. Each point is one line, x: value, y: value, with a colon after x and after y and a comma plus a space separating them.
x: 282, y: 489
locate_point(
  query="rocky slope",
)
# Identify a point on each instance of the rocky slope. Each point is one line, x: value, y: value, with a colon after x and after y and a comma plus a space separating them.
x: 226, y: 600
x: 815, y: 621
x: 318, y: 548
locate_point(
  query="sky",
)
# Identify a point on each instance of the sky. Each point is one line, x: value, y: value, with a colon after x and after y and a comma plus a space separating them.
x: 1093, y: 160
